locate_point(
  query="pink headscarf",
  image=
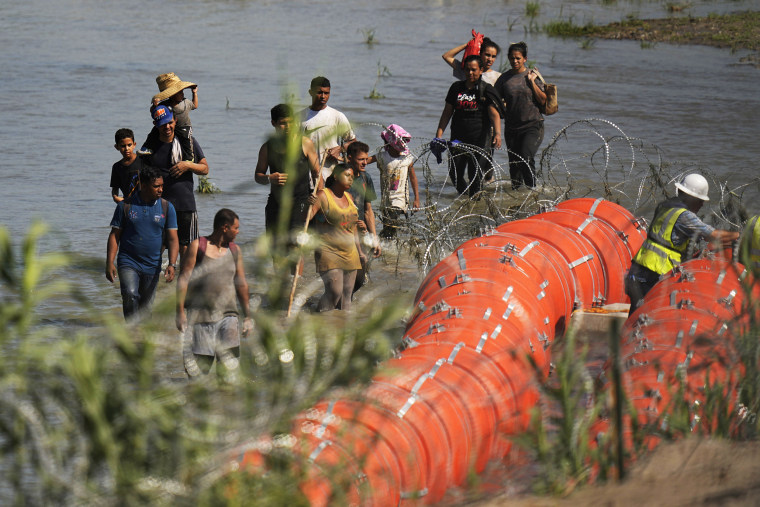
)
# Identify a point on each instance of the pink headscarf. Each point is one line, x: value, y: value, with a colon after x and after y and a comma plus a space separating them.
x: 395, y: 135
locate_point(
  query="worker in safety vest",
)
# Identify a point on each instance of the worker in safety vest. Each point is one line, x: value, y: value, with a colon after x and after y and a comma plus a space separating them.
x: 749, y: 248
x: 674, y: 225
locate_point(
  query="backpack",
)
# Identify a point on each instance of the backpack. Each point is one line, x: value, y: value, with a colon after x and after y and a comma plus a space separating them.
x: 203, y: 243
x: 484, y: 101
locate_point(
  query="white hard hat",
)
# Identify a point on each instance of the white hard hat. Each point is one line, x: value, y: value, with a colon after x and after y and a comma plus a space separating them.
x: 695, y: 185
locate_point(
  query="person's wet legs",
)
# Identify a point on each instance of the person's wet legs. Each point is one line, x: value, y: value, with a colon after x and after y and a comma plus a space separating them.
x: 349, y: 278
x: 458, y: 160
x: 137, y: 290
x: 522, y: 147
x: 333, y: 280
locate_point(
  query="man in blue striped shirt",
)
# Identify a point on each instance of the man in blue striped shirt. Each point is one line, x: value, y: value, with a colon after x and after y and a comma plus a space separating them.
x: 673, y: 227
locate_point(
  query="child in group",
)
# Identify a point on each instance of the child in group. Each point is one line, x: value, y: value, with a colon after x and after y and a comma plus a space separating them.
x: 172, y: 94
x: 125, y: 173
x: 396, y: 166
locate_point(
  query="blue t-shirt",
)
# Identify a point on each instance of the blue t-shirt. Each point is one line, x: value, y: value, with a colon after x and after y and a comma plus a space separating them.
x: 142, y: 233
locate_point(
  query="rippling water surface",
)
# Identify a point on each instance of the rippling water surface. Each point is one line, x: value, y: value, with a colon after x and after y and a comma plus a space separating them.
x: 73, y: 72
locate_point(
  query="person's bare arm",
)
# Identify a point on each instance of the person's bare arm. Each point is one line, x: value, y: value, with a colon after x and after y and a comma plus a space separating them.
x: 538, y: 93
x: 319, y: 204
x: 338, y: 152
x: 262, y: 164
x: 493, y: 113
x: 448, y: 110
x: 194, y: 89
x: 188, y: 264
x: 241, y: 288
x: 311, y: 155
x: 113, y: 246
x: 369, y: 216
x: 200, y: 168
x: 724, y: 237
x: 115, y: 195
x: 362, y: 256
x: 449, y: 56
x: 412, y: 175
x: 173, y: 244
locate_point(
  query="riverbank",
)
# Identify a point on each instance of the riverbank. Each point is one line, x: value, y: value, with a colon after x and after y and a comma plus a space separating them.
x: 736, y: 31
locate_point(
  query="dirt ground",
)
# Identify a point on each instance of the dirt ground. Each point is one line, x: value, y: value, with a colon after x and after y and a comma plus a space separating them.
x: 694, y: 471
x: 735, y: 31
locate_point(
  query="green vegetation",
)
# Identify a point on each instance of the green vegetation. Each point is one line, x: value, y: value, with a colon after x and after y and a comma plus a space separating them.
x: 369, y: 35
x: 206, y: 187
x: 572, y: 449
x: 90, y: 416
x: 673, y: 7
x: 587, y: 43
x: 382, y: 71
x: 374, y: 94
x: 561, y: 425
x: 735, y: 31
x: 567, y: 28
x: 532, y: 9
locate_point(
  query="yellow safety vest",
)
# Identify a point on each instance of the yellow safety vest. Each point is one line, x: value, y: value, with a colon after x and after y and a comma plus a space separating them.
x: 658, y: 253
x: 749, y: 249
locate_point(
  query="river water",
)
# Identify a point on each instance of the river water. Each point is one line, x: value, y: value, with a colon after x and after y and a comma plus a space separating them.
x: 73, y: 72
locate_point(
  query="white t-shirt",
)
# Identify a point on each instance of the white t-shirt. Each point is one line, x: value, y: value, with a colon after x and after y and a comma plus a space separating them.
x: 490, y: 76
x: 394, y: 179
x: 326, y: 128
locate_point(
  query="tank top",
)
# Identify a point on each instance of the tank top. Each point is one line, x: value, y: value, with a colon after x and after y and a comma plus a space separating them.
x: 337, y: 248
x: 211, y: 291
x: 276, y: 151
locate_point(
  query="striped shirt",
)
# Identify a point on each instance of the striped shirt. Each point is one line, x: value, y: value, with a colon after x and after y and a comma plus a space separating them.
x: 689, y: 226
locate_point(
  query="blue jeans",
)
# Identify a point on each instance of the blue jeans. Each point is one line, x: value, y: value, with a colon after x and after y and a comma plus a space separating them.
x: 137, y: 289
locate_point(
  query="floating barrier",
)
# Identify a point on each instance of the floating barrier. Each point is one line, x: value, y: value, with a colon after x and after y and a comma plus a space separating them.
x: 474, y: 351
x: 681, y: 342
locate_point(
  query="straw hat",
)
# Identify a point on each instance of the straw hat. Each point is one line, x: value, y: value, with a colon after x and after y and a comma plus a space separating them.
x: 169, y: 84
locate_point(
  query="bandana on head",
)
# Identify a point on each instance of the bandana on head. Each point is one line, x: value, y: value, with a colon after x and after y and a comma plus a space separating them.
x: 395, y: 136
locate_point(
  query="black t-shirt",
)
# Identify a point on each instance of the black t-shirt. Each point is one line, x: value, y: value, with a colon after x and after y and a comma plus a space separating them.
x: 276, y: 148
x: 125, y: 177
x: 470, y: 122
x: 178, y: 191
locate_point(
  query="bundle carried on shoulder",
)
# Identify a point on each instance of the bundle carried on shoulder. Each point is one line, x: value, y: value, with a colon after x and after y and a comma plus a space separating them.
x: 551, y: 105
x: 473, y: 47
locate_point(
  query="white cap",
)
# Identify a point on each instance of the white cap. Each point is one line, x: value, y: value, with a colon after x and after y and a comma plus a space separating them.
x: 695, y: 185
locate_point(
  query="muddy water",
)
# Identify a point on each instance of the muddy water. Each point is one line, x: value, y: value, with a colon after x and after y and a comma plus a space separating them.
x: 75, y: 71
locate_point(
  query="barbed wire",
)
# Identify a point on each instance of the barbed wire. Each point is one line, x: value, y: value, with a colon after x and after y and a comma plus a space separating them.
x: 591, y: 157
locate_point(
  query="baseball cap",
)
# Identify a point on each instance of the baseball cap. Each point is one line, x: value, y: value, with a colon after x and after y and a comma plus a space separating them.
x: 161, y: 115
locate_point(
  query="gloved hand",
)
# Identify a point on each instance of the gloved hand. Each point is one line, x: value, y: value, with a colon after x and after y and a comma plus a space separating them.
x: 437, y: 147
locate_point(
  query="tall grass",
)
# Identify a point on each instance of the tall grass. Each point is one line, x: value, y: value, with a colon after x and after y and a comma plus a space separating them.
x: 567, y: 28
x: 559, y: 438
x: 532, y: 8
x: 562, y: 438
x: 91, y: 416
